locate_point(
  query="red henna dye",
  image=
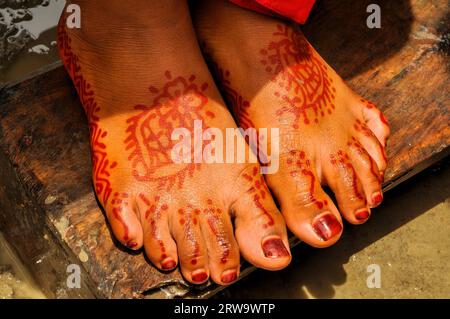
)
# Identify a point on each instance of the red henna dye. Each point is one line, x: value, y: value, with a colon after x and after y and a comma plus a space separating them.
x: 342, y: 161
x: 300, y: 166
x: 176, y: 105
x: 356, y: 145
x: 153, y: 215
x: 119, y: 201
x: 301, y: 76
x: 214, y: 219
x: 327, y: 226
x: 101, y: 165
x: 259, y: 190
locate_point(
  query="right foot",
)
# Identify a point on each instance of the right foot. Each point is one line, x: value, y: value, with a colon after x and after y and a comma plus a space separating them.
x: 329, y: 135
x: 139, y: 75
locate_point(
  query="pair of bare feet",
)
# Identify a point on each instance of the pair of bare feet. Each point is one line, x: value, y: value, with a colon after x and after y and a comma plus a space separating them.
x: 140, y: 74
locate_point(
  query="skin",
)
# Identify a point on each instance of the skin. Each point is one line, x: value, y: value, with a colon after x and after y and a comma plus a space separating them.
x: 199, y: 217
x: 329, y: 135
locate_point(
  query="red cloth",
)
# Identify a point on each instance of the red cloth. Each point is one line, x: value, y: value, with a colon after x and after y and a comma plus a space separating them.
x: 297, y: 10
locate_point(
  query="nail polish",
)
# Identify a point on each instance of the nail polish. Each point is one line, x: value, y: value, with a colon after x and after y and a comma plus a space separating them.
x: 199, y: 276
x: 168, y: 264
x: 273, y: 247
x: 132, y: 244
x: 229, y: 276
x: 362, y: 214
x: 377, y: 198
x: 327, y: 226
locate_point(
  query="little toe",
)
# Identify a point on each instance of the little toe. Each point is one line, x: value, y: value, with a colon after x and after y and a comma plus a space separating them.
x: 122, y: 216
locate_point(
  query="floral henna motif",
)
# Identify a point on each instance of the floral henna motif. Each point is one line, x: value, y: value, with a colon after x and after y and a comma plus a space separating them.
x: 259, y: 191
x: 300, y: 165
x: 120, y: 202
x: 342, y: 160
x: 100, y: 162
x: 301, y: 76
x: 176, y: 105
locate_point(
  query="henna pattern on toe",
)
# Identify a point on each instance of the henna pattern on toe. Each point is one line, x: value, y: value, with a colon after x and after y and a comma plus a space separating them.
x: 153, y: 214
x: 176, y: 105
x: 302, y: 78
x: 355, y: 144
x: 120, y: 202
x: 300, y: 165
x: 213, y: 217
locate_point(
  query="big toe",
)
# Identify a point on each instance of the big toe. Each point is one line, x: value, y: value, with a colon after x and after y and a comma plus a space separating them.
x: 309, y: 212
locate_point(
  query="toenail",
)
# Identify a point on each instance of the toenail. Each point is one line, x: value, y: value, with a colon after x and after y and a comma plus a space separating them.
x: 168, y: 263
x: 132, y: 244
x: 327, y: 226
x: 362, y: 214
x: 229, y: 276
x: 273, y: 247
x: 377, y: 198
x: 199, y: 275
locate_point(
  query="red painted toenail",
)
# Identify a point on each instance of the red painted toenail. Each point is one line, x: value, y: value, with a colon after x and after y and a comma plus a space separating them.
x: 229, y: 276
x: 377, y: 198
x: 362, y: 214
x: 132, y: 244
x: 273, y: 247
x: 168, y: 264
x: 327, y: 226
x: 199, y: 276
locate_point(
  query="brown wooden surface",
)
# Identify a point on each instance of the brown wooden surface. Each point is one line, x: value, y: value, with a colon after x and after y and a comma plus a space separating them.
x: 47, y: 207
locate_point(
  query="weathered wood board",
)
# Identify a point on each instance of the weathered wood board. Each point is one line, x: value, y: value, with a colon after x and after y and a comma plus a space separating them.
x: 47, y: 207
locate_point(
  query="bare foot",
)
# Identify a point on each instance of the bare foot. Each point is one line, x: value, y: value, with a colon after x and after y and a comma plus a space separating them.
x: 140, y: 74
x: 329, y: 135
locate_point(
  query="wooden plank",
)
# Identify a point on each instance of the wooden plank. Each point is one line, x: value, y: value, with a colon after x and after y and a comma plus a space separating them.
x: 50, y: 214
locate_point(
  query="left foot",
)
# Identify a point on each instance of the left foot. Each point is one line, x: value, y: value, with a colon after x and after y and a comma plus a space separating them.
x: 329, y: 135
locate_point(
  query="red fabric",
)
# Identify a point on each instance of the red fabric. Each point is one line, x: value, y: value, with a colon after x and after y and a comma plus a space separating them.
x: 297, y: 10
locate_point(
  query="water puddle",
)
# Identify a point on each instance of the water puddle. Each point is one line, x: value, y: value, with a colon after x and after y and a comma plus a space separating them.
x: 15, y: 281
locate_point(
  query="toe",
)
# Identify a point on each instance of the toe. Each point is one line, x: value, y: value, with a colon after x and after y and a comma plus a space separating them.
x: 376, y: 121
x: 375, y: 149
x: 308, y: 211
x: 121, y: 214
x: 259, y: 226
x: 368, y: 173
x: 159, y: 246
x: 223, y: 250
x: 192, y: 251
x: 341, y: 176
